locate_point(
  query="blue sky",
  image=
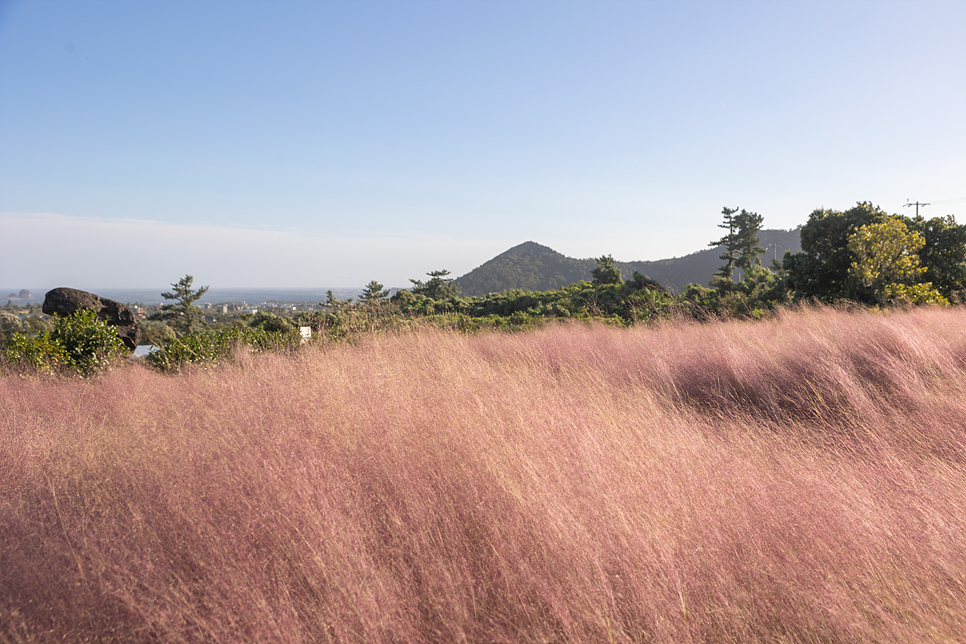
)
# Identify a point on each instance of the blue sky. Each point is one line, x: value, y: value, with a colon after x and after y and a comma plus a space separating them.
x: 331, y: 143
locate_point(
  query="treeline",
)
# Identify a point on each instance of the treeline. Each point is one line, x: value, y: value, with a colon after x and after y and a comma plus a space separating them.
x: 862, y: 255
x: 867, y: 255
x: 533, y: 267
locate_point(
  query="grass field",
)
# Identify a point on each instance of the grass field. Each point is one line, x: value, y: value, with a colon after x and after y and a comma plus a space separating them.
x: 801, y: 479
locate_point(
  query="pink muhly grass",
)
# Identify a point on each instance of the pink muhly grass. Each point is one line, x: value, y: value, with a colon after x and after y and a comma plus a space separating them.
x: 796, y: 480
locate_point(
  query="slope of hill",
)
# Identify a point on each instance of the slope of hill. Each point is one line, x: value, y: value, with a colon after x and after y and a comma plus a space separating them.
x: 533, y: 267
x: 530, y: 267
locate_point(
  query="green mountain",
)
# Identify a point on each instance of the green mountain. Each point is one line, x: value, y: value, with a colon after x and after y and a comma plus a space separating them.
x: 532, y: 267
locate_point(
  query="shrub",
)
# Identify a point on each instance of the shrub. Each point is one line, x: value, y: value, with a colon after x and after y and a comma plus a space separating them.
x: 922, y: 293
x: 9, y: 325
x: 90, y: 343
x: 208, y: 348
x: 80, y: 343
x: 271, y: 322
x: 40, y: 353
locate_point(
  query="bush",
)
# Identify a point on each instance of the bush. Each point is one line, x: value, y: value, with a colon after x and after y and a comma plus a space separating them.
x: 41, y: 353
x: 922, y: 293
x: 80, y: 343
x: 208, y: 348
x: 9, y: 325
x: 271, y: 322
x: 156, y: 333
x: 89, y: 342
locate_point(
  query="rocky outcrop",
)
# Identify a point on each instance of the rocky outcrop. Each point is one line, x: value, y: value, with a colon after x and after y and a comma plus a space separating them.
x: 64, y: 301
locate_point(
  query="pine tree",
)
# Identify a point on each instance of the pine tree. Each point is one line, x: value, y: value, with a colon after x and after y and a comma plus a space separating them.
x: 742, y: 250
x: 748, y: 225
x: 727, y: 271
x: 183, y: 314
x: 438, y: 287
x: 607, y: 271
x: 373, y: 293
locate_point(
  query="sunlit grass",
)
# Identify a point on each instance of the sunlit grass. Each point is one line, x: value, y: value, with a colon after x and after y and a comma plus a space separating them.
x: 796, y: 480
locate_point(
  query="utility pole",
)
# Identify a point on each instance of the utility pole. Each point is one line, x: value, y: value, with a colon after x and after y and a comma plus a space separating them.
x: 917, y: 204
x: 776, y: 247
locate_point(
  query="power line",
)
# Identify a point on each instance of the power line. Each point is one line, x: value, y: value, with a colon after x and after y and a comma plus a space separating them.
x: 957, y: 200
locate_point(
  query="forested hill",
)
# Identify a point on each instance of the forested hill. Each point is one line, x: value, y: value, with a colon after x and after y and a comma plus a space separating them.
x: 533, y: 267
x: 530, y: 267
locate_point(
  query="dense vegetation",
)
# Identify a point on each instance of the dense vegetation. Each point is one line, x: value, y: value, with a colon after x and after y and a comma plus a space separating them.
x: 798, y: 479
x: 533, y: 267
x: 861, y: 255
x: 79, y: 344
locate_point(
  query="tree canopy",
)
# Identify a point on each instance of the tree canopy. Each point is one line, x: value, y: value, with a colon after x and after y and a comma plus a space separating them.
x: 183, y: 314
x: 742, y: 250
x: 886, y: 254
x: 944, y: 252
x: 823, y: 269
x: 438, y: 287
x: 606, y: 271
x: 373, y: 292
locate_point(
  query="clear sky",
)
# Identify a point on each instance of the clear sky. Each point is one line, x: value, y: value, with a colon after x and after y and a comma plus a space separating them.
x: 329, y: 143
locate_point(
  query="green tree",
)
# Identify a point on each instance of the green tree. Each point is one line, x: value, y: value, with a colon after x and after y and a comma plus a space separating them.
x: 645, y: 282
x: 183, y: 314
x: 746, y: 240
x: 886, y: 257
x: 607, y: 271
x: 726, y: 272
x: 944, y: 253
x: 741, y: 244
x: 821, y: 270
x: 438, y: 287
x: 373, y: 293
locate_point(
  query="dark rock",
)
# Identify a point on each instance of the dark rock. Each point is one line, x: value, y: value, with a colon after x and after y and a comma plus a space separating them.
x: 64, y: 301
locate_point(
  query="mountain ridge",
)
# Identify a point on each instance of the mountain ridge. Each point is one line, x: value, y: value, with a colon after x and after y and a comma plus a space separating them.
x: 533, y: 267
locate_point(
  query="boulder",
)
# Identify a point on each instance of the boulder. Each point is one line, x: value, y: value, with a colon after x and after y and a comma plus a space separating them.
x: 64, y: 301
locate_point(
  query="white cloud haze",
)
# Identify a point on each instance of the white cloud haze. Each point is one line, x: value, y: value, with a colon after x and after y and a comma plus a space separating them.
x: 47, y: 250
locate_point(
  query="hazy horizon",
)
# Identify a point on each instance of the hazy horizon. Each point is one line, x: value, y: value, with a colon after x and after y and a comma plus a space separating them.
x: 220, y: 293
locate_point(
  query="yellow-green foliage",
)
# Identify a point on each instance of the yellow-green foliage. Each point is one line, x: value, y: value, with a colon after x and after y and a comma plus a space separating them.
x: 922, y: 293
x: 886, y: 253
x: 887, y: 259
x: 80, y: 343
